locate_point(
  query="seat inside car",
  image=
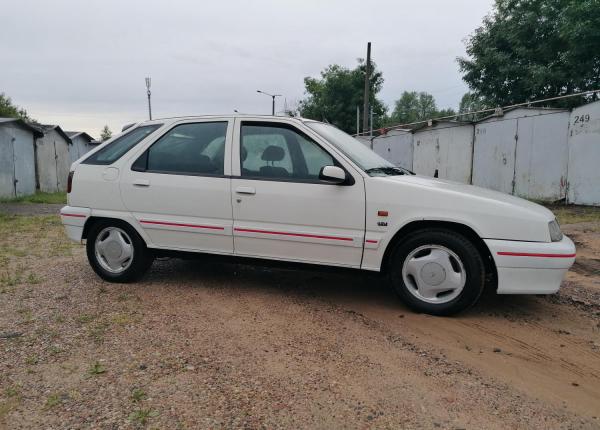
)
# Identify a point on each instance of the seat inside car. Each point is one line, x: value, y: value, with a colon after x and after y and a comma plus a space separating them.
x: 273, y: 154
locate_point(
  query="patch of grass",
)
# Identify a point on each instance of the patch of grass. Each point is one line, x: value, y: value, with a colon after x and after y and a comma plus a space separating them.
x: 55, y: 349
x: 52, y: 400
x: 122, y: 297
x: 98, y: 330
x: 11, y: 392
x: 137, y: 395
x: 55, y: 198
x: 575, y: 214
x: 85, y: 318
x: 10, y: 280
x: 97, y: 369
x: 6, y: 407
x: 32, y: 278
x: 32, y: 360
x: 141, y: 416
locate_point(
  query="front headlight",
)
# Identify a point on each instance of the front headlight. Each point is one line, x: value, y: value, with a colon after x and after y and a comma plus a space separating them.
x: 555, y: 233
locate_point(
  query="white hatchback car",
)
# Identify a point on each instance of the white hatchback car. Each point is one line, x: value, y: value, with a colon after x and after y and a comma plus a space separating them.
x: 299, y: 190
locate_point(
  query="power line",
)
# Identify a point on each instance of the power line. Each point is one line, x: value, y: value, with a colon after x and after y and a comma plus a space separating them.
x: 397, y: 126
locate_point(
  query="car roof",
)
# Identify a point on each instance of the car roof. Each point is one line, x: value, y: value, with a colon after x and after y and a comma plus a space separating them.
x: 241, y: 116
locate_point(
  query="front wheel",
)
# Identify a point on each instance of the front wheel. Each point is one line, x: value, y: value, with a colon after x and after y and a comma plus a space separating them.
x: 437, y: 271
x: 116, y: 251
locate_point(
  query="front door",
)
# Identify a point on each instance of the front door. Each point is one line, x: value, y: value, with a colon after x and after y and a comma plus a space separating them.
x: 179, y: 189
x: 281, y: 209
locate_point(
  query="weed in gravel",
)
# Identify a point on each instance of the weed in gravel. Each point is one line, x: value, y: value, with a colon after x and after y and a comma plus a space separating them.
x: 55, y: 399
x: 122, y: 297
x: 32, y: 278
x: 6, y: 406
x: 32, y: 360
x: 97, y: 369
x: 85, y: 318
x: 140, y: 417
x: 121, y: 319
x: 10, y: 280
x: 26, y: 314
x: 55, y: 349
x: 97, y: 331
x: 137, y: 395
x: 11, y: 392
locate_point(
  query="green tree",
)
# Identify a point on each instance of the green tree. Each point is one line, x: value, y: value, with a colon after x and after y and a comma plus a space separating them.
x: 413, y: 106
x: 105, y: 134
x: 534, y: 49
x: 471, y: 102
x: 334, y: 96
x: 9, y: 110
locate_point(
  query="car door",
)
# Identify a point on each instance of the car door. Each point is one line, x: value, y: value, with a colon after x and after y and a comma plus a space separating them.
x: 178, y: 189
x: 281, y: 209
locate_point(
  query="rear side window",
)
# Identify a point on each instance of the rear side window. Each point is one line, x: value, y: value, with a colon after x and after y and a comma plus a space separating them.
x: 187, y: 149
x: 120, y: 146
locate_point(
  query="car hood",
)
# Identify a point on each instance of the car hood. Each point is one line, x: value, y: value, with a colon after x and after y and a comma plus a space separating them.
x: 483, y: 194
x: 491, y: 214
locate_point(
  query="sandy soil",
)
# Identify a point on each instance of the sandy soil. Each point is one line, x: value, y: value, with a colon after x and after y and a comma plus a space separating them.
x: 205, y: 344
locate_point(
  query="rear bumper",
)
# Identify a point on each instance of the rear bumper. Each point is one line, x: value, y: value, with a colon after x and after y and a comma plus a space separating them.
x: 74, y: 218
x: 531, y: 267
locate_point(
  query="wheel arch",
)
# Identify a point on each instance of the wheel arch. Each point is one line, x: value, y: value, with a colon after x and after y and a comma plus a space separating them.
x: 95, y: 219
x: 457, y: 227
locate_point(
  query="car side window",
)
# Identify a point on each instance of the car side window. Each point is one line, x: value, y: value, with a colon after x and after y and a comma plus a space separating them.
x: 195, y: 149
x: 280, y: 151
x: 121, y: 145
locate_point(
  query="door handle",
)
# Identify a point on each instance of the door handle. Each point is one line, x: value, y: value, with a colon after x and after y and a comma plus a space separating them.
x: 245, y: 190
x: 141, y: 183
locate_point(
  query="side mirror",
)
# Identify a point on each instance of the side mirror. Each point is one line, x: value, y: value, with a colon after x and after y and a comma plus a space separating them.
x: 333, y: 174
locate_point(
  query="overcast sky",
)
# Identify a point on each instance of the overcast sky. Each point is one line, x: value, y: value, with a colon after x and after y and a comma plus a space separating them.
x: 81, y: 64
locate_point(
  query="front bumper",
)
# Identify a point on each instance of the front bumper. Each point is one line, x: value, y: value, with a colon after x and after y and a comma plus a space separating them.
x: 74, y: 218
x: 531, y: 267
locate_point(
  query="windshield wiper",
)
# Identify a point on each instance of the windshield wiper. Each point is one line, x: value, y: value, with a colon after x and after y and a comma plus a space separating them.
x: 387, y: 170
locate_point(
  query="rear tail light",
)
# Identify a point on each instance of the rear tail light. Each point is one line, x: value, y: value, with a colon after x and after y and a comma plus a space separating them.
x: 70, y: 182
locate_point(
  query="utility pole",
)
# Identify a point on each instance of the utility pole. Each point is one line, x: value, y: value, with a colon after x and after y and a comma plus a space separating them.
x: 357, y: 120
x: 371, y: 129
x: 148, y: 82
x: 367, y: 87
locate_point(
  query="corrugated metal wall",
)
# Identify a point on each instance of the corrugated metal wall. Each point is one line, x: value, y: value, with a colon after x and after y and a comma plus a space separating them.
x: 584, y: 155
x: 17, y: 161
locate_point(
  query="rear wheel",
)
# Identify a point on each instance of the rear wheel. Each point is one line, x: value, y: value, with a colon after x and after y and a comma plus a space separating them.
x: 116, y: 251
x: 437, y: 271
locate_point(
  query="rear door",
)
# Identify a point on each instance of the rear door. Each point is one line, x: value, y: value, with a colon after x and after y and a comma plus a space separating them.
x: 281, y: 209
x: 179, y: 190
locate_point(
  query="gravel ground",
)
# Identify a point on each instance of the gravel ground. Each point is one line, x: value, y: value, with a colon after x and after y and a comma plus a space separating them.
x: 30, y: 208
x: 207, y: 344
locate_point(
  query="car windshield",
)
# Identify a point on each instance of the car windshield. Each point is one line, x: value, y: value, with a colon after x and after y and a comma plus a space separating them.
x: 363, y: 157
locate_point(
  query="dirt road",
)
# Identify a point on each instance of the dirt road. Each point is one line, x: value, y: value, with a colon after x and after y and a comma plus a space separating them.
x: 202, y: 344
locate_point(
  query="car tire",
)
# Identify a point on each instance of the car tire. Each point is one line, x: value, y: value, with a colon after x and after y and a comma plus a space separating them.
x: 116, y: 251
x: 437, y: 271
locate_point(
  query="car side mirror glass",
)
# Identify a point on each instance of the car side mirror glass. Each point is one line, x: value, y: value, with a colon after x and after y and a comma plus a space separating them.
x: 333, y: 174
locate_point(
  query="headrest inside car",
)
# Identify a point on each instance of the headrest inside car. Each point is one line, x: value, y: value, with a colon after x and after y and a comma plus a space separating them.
x: 273, y: 153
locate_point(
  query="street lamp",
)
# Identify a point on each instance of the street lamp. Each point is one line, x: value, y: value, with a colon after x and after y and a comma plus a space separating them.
x: 148, y: 81
x: 272, y: 97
